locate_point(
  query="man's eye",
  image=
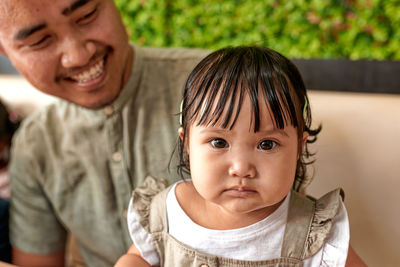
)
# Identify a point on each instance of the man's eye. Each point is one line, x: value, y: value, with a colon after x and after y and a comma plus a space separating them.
x: 267, y: 145
x: 219, y: 143
x: 40, y: 42
x: 88, y: 17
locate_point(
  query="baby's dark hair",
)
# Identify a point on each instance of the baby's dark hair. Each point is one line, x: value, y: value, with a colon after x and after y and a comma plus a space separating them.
x: 221, y: 81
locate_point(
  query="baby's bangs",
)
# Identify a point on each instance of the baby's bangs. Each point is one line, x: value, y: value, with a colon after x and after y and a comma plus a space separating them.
x: 216, y: 89
x: 225, y: 80
x: 278, y: 97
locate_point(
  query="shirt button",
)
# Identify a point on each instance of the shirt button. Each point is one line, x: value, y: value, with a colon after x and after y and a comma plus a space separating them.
x: 117, y: 157
x: 204, y: 265
x: 108, y: 110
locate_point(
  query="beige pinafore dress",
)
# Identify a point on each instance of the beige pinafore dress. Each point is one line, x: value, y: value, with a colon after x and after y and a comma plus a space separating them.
x: 308, y: 224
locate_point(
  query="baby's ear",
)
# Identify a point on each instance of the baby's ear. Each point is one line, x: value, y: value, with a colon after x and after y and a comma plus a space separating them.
x: 181, y: 132
x: 304, y: 140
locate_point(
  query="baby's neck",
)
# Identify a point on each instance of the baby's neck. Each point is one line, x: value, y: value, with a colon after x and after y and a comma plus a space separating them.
x: 213, y: 216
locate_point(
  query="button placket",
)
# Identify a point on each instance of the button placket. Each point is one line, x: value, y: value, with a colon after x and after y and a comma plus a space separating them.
x: 118, y: 166
x: 108, y: 110
x: 117, y: 156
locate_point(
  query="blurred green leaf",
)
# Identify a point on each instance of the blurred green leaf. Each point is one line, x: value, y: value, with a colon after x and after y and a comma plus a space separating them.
x: 298, y: 28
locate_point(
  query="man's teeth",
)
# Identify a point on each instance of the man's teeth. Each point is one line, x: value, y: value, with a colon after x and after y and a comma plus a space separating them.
x: 90, y: 74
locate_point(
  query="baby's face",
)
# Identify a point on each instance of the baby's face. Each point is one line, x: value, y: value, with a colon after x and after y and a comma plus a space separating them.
x: 242, y: 171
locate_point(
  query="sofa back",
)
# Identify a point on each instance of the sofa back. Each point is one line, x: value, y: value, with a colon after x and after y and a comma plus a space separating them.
x: 358, y: 150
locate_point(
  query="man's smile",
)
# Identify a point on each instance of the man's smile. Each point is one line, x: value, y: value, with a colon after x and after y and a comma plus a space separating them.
x: 95, y: 71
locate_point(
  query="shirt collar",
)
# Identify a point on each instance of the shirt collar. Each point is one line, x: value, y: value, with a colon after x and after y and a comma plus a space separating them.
x: 131, y: 86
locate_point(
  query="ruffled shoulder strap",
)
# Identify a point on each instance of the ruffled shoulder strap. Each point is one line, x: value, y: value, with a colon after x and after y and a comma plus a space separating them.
x: 326, y: 208
x: 309, y: 223
x: 142, y: 198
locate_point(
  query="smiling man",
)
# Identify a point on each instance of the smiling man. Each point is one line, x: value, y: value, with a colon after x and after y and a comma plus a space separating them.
x: 75, y: 162
x: 78, y: 51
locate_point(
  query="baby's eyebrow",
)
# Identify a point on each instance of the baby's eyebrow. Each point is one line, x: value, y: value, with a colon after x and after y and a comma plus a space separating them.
x: 225, y: 130
x: 28, y: 31
x: 274, y: 131
x: 214, y: 130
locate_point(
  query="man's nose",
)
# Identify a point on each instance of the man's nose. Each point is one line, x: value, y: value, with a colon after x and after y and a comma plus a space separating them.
x: 242, y: 167
x: 77, y: 52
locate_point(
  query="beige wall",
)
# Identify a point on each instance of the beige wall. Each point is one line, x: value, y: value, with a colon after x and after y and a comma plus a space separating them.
x: 18, y: 95
x: 358, y: 150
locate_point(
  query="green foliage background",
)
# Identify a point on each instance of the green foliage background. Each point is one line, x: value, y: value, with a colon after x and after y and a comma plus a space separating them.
x: 353, y: 29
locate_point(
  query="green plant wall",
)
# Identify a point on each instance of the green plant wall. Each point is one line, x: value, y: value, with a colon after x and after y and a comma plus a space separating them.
x: 368, y: 29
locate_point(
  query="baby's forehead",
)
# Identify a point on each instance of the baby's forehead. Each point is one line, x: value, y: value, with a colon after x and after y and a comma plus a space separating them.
x: 255, y: 110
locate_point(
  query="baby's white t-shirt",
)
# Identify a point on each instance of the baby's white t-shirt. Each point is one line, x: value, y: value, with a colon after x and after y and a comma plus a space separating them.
x: 263, y: 240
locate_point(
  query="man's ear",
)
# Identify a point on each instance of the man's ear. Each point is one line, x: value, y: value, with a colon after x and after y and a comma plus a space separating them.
x: 2, y: 51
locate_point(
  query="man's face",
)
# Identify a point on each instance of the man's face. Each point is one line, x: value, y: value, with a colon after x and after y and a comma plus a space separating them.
x: 73, y: 49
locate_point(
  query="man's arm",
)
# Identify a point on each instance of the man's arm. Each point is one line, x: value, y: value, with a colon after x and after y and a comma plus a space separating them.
x: 24, y: 259
x: 132, y: 258
x: 36, y: 235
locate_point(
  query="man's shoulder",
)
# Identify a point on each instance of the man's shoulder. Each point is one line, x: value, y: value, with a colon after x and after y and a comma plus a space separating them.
x: 45, y: 113
x: 40, y: 122
x: 172, y: 54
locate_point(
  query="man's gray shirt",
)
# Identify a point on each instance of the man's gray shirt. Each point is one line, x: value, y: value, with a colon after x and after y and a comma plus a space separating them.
x: 73, y: 169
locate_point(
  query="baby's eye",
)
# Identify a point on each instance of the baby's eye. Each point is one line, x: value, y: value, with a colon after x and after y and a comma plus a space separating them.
x: 219, y: 143
x: 267, y: 145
